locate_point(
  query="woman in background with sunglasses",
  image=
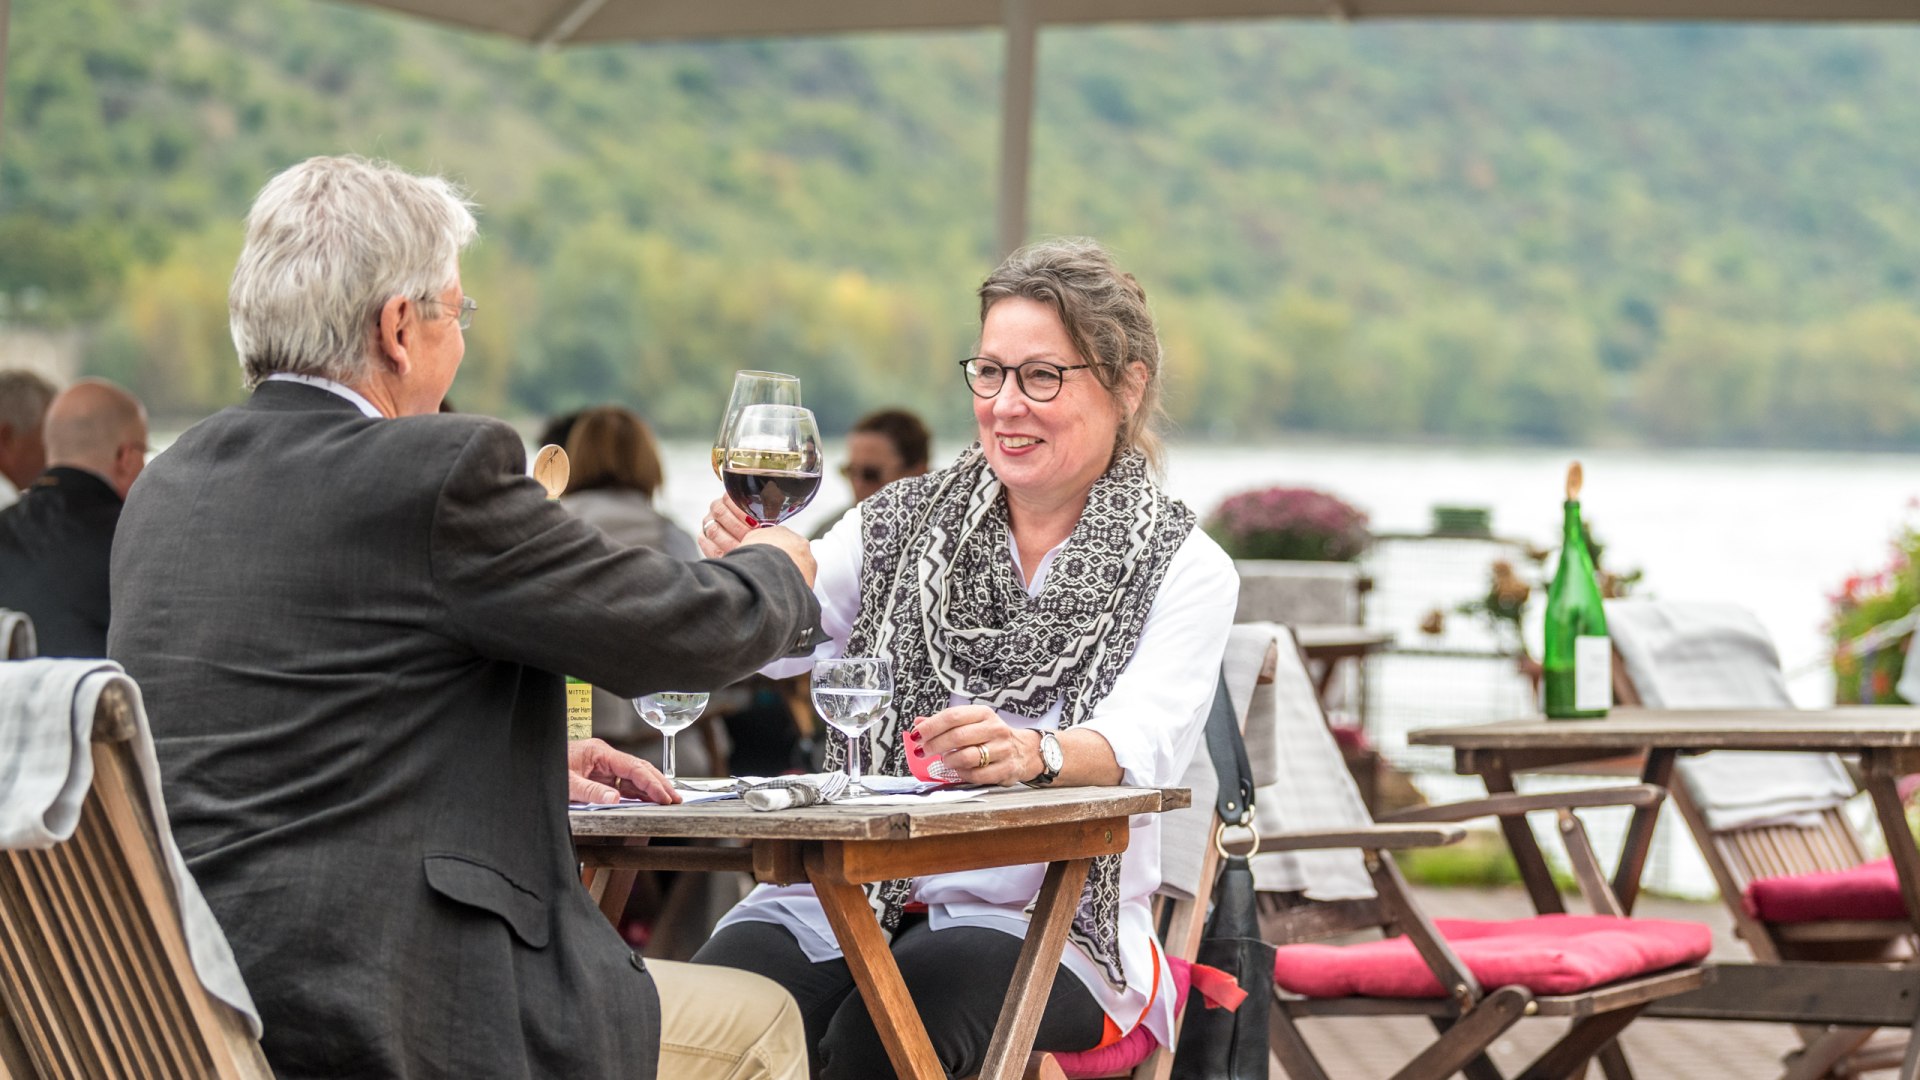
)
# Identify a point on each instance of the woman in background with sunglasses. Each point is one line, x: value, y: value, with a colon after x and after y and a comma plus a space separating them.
x: 882, y: 447
x: 1051, y: 618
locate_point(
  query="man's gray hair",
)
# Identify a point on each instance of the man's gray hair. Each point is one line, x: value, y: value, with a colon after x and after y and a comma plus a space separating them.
x: 24, y: 397
x: 329, y: 242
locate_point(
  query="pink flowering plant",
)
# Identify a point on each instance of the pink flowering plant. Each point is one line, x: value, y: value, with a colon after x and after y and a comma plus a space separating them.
x: 1865, y: 671
x: 1289, y: 523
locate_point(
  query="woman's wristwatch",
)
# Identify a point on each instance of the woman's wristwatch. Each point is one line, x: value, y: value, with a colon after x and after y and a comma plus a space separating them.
x: 1052, y: 760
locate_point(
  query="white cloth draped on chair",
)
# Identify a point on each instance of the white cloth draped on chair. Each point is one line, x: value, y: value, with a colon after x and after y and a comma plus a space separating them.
x: 1718, y: 656
x: 1299, y: 770
x: 1301, y: 782
x: 47, y: 710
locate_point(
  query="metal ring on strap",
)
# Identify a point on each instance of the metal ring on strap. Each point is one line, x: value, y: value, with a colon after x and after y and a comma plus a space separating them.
x: 1220, y: 837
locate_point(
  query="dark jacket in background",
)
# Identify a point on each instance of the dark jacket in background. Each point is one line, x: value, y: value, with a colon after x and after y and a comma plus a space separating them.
x: 55, y: 545
x: 349, y: 633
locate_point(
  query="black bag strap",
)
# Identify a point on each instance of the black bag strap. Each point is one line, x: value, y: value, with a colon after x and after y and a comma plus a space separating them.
x: 1229, y: 754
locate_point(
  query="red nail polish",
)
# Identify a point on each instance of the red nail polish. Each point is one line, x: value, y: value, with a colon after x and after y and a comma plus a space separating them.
x: 919, y: 751
x: 914, y: 735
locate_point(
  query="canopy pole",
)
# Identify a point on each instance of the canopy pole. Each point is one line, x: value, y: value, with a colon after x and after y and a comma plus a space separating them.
x: 1016, y: 122
x: 6, y: 8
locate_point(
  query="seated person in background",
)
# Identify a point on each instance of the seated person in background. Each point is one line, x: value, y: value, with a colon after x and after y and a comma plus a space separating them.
x: 24, y: 397
x: 57, y: 541
x: 348, y: 615
x: 883, y: 446
x: 1052, y: 618
x: 614, y: 472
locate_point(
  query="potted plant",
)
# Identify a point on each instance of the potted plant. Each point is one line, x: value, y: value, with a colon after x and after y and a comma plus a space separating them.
x: 1296, y: 550
x: 1289, y: 523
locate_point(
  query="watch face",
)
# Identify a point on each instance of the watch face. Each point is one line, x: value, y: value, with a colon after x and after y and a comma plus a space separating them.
x: 1050, y: 754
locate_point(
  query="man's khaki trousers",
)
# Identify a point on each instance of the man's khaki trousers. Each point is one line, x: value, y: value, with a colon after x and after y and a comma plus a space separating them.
x: 720, y: 1023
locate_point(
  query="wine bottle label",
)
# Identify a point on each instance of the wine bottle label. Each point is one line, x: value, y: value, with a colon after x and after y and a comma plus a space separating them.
x: 1592, y: 673
x: 579, y: 709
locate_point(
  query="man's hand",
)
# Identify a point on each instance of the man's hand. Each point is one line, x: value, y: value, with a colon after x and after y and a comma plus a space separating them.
x: 597, y: 773
x: 724, y: 528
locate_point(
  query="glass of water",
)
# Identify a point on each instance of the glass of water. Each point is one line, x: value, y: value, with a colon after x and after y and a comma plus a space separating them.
x: 852, y: 694
x: 667, y: 712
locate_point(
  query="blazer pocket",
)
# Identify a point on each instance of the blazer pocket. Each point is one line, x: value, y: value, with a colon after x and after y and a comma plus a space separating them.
x: 465, y: 881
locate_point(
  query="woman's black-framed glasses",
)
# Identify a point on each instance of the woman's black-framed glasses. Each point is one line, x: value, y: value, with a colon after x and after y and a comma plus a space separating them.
x: 1038, y: 379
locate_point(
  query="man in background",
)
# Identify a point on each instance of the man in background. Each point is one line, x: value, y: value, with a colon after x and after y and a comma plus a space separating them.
x: 56, y: 542
x: 24, y: 397
x: 883, y: 446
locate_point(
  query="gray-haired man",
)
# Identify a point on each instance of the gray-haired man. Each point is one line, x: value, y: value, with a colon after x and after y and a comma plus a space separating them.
x: 349, y: 613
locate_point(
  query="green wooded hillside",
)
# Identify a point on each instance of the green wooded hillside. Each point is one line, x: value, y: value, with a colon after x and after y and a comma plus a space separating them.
x: 1525, y: 231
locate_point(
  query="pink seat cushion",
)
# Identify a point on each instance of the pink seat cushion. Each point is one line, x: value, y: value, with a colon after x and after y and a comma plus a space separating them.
x: 1868, y: 891
x: 1133, y: 1048
x: 1547, y: 954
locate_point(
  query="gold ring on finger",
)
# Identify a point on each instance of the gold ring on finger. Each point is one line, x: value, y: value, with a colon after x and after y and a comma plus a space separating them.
x: 985, y: 756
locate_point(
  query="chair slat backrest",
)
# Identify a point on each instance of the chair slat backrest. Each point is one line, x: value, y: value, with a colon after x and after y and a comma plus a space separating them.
x: 95, y: 973
x: 1778, y: 850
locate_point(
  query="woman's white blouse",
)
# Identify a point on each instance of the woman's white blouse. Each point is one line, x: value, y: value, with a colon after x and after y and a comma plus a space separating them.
x: 1154, y: 719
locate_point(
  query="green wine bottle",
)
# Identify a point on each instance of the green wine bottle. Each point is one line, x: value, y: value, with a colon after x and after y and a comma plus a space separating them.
x: 1577, y: 679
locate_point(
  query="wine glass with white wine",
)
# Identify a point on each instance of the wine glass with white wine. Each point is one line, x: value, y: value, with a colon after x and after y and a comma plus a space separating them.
x: 752, y: 388
x: 852, y: 694
x: 668, y: 712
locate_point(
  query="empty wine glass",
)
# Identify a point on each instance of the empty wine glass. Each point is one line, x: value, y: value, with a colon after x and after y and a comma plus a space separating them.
x: 772, y: 465
x: 852, y: 694
x: 752, y: 388
x: 668, y: 711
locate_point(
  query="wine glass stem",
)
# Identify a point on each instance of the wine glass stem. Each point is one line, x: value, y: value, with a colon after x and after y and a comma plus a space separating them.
x: 666, y: 758
x: 853, y: 761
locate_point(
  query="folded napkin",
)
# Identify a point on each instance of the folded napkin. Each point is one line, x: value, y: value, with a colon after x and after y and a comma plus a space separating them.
x: 786, y: 792
x: 1737, y: 789
x: 46, y: 768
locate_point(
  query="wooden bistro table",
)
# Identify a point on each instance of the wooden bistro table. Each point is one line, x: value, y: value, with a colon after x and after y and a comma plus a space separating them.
x: 838, y: 848
x: 1884, y: 739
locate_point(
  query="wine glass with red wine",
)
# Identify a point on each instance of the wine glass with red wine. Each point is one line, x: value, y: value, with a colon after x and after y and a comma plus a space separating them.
x: 752, y: 388
x: 772, y: 464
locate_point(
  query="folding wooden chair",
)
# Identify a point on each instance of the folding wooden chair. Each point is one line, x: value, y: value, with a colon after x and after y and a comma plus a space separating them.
x: 1190, y: 862
x: 1798, y: 886
x: 16, y: 635
x: 1472, y: 980
x: 95, y: 976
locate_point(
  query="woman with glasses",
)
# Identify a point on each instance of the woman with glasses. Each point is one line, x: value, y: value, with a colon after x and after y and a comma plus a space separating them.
x: 1052, y: 618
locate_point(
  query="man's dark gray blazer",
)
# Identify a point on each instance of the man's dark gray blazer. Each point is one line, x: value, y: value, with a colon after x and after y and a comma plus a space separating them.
x: 347, y: 632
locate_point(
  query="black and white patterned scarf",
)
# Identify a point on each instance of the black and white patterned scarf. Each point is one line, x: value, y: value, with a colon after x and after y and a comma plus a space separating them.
x: 941, y: 598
